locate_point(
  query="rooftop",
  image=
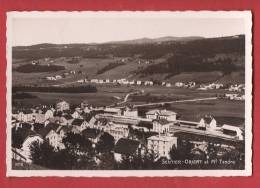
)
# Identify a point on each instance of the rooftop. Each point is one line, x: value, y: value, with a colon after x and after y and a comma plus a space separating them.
x: 77, y: 122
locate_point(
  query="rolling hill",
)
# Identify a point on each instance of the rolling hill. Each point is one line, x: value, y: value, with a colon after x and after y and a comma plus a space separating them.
x: 166, y: 58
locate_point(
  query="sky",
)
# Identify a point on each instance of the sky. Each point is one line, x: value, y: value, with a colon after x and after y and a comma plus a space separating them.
x: 64, y: 30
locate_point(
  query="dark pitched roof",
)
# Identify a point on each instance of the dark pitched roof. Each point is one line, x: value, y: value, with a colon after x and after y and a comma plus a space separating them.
x: 77, y: 122
x: 64, y: 128
x: 91, y: 133
x: 126, y: 146
x: 67, y: 116
x: 208, y: 119
x: 87, y: 116
x: 45, y: 130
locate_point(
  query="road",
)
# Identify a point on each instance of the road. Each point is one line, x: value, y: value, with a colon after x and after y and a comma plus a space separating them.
x: 126, y: 98
x: 179, y: 101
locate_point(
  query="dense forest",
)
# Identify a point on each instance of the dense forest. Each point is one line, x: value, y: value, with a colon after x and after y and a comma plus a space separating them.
x: 201, y: 47
x: 29, y: 68
x: 78, y: 89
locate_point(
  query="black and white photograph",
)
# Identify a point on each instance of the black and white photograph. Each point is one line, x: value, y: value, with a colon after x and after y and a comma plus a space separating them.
x: 129, y: 93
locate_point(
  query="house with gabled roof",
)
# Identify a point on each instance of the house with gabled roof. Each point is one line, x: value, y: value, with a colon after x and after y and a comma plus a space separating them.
x: 208, y: 122
x: 161, y: 114
x: 66, y: 119
x: 92, y: 134
x: 79, y: 125
x: 25, y: 115
x: 62, y: 105
x: 76, y: 115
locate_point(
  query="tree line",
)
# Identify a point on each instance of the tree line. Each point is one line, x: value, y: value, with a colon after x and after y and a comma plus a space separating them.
x: 52, y: 89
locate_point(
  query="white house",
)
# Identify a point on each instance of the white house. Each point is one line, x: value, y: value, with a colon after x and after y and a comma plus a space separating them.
x: 138, y: 82
x: 179, y: 84
x: 168, y: 85
x: 58, y: 77
x: 161, y: 145
x: 94, y: 80
x: 25, y: 115
x: 208, y: 122
x: 55, y: 140
x: 79, y: 125
x: 130, y: 112
x: 76, y: 115
x: 161, y: 114
x: 62, y: 105
x: 48, y: 114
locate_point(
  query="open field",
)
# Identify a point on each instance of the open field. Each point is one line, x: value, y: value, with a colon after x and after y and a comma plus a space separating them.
x: 225, y: 111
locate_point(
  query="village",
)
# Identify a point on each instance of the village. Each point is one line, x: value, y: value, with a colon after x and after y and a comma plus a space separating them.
x: 159, y: 130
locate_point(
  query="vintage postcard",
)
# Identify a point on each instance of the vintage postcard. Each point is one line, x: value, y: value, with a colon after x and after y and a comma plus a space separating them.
x: 107, y: 93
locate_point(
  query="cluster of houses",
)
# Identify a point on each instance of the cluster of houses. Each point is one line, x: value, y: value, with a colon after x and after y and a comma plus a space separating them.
x: 52, y: 124
x: 121, y: 81
x: 58, y: 76
x: 185, y: 85
x: 235, y: 96
x: 210, y: 86
x: 237, y: 87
